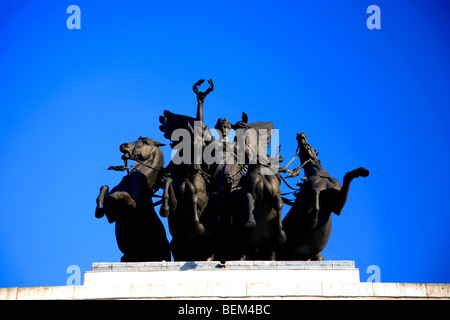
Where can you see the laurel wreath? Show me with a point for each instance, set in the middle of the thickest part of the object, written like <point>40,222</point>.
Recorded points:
<point>203,94</point>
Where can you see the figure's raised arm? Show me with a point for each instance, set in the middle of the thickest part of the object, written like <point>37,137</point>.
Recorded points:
<point>201,97</point>
<point>170,122</point>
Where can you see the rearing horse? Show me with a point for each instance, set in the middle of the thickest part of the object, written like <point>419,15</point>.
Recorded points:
<point>262,201</point>
<point>139,232</point>
<point>308,223</point>
<point>185,197</point>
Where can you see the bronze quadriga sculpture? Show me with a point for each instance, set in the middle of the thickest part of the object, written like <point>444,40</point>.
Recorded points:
<point>222,198</point>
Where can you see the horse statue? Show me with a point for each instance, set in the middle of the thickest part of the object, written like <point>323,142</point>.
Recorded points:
<point>185,196</point>
<point>139,232</point>
<point>261,195</point>
<point>184,203</point>
<point>308,223</point>
<point>202,196</point>
<point>221,196</point>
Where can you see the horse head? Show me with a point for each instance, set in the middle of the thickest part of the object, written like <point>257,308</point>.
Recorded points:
<point>141,150</point>
<point>304,149</point>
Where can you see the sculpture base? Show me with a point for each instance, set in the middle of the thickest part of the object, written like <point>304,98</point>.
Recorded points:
<point>233,280</point>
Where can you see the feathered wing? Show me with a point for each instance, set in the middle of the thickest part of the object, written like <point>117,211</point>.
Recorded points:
<point>263,131</point>
<point>172,121</point>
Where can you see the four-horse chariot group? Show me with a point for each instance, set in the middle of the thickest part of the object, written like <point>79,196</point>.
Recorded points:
<point>222,198</point>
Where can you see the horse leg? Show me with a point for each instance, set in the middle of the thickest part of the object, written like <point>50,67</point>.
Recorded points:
<point>199,228</point>
<point>250,202</point>
<point>99,210</point>
<point>169,201</point>
<point>343,194</point>
<point>210,252</point>
<point>278,205</point>
<point>273,255</point>
<point>194,199</point>
<point>255,191</point>
<point>317,257</point>
<point>119,205</point>
<point>315,208</point>
<point>199,189</point>
<point>124,198</point>
<point>202,201</point>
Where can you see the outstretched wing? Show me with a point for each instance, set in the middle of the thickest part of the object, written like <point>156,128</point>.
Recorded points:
<point>256,149</point>
<point>172,121</point>
<point>263,130</point>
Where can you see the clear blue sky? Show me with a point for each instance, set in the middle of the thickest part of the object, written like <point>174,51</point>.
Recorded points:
<point>373,98</point>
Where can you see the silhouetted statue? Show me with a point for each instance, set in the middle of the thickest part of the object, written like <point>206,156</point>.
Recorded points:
<point>139,232</point>
<point>223,209</point>
<point>261,195</point>
<point>222,197</point>
<point>308,223</point>
<point>185,196</point>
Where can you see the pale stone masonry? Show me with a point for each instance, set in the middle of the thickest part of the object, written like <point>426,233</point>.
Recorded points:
<point>229,265</point>
<point>232,280</point>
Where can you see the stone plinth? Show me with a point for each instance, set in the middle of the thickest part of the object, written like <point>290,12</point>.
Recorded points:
<point>232,280</point>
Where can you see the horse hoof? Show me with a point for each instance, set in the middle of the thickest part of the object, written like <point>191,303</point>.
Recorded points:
<point>250,224</point>
<point>199,229</point>
<point>282,237</point>
<point>164,211</point>
<point>360,172</point>
<point>99,213</point>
